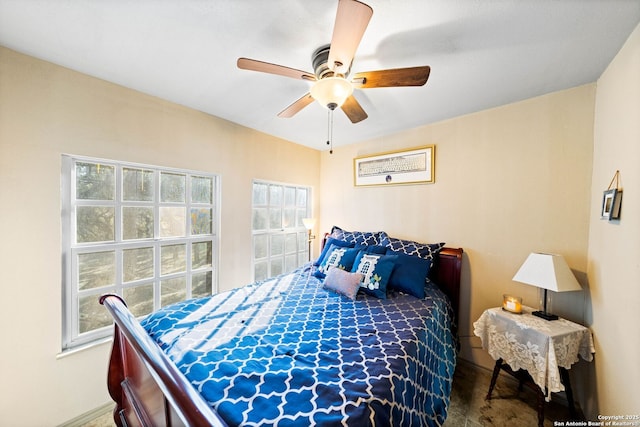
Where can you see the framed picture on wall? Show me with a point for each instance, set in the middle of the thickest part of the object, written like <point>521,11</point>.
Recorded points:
<point>611,204</point>
<point>410,166</point>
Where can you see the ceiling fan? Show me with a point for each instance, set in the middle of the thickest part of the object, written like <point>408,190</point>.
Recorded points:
<point>332,66</point>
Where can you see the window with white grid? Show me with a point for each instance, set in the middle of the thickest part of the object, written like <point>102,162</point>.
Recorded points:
<point>280,240</point>
<point>144,232</point>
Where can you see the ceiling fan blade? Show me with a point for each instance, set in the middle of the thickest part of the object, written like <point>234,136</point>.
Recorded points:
<point>352,19</point>
<point>280,70</point>
<point>412,76</point>
<point>298,105</point>
<point>353,110</point>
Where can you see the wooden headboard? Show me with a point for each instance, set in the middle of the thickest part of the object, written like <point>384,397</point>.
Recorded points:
<point>446,274</point>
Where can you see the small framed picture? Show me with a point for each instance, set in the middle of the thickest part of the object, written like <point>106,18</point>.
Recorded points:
<point>611,204</point>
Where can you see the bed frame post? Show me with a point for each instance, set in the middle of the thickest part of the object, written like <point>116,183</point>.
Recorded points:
<point>116,375</point>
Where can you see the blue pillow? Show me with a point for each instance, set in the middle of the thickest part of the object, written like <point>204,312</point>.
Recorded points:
<point>409,247</point>
<point>327,246</point>
<point>339,257</point>
<point>376,270</point>
<point>373,249</point>
<point>410,274</point>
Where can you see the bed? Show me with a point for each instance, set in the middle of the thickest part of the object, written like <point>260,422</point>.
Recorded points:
<point>295,350</point>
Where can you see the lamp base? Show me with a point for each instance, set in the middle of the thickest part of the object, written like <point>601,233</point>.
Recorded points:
<point>544,315</point>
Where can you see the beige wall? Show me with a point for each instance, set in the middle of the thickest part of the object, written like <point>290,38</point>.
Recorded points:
<point>614,247</point>
<point>46,110</point>
<point>509,181</point>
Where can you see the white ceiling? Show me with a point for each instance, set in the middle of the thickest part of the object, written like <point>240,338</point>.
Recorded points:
<point>482,53</point>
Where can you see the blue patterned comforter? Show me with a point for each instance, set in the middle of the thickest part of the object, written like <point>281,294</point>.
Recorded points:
<point>286,352</point>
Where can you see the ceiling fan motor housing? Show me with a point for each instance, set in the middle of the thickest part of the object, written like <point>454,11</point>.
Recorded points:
<point>320,62</point>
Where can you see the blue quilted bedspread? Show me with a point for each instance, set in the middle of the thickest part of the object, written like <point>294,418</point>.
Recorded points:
<point>286,352</point>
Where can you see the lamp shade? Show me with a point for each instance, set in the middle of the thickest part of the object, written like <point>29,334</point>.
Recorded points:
<point>331,92</point>
<point>308,223</point>
<point>547,271</point>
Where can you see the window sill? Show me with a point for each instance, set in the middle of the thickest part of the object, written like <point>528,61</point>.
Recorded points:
<point>84,347</point>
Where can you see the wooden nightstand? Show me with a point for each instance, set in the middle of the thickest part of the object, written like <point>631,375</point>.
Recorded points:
<point>537,352</point>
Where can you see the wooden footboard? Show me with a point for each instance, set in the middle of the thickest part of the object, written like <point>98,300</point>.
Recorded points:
<point>147,387</point>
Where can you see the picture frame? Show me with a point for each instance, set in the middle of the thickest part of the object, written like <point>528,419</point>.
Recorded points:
<point>611,204</point>
<point>409,166</point>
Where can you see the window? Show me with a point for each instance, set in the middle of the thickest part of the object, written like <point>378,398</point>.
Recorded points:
<point>143,232</point>
<point>279,238</point>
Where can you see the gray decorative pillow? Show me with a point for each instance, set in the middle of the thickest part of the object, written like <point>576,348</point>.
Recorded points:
<point>343,282</point>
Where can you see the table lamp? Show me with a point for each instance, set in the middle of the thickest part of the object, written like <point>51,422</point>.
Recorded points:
<point>549,272</point>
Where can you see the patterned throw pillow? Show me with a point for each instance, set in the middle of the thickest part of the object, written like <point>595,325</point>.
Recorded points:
<point>343,282</point>
<point>376,270</point>
<point>360,238</point>
<point>337,256</point>
<point>409,247</point>
<point>327,246</point>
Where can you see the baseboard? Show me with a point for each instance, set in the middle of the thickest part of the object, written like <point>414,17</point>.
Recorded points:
<point>89,416</point>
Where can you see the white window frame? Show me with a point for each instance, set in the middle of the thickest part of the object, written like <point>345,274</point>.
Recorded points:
<point>72,338</point>
<point>302,243</point>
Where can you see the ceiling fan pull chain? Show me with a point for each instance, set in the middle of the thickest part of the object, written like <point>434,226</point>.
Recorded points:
<point>330,130</point>
<point>331,116</point>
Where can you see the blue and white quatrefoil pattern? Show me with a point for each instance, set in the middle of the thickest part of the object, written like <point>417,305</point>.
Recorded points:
<point>287,352</point>
<point>408,247</point>
<point>360,238</point>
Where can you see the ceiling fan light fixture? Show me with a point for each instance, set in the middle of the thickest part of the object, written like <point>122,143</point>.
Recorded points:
<point>331,91</point>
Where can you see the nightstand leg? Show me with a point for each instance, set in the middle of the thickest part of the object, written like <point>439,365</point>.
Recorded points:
<point>494,378</point>
<point>540,407</point>
<point>564,377</point>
